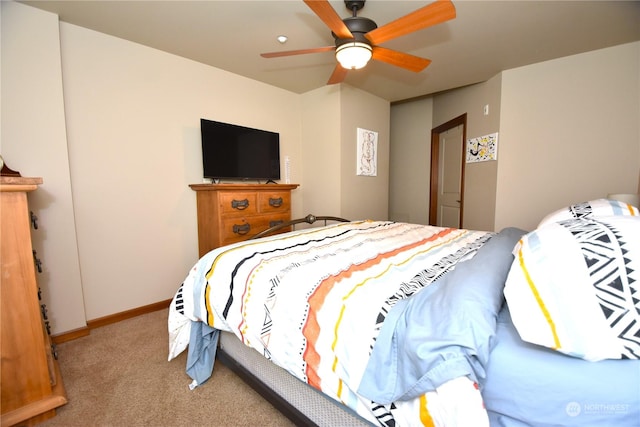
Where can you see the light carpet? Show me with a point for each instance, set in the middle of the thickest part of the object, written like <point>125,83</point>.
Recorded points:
<point>119,376</point>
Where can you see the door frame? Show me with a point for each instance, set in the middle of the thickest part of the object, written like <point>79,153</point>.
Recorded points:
<point>435,165</point>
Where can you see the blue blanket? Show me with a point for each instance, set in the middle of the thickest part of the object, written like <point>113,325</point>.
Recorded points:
<point>444,331</point>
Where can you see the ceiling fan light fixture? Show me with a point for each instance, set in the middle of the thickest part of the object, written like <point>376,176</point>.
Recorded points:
<point>353,55</point>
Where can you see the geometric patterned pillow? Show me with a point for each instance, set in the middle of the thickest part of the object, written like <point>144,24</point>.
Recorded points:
<point>574,286</point>
<point>593,208</point>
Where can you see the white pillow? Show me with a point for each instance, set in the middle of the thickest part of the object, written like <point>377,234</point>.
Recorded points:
<point>574,286</point>
<point>593,208</point>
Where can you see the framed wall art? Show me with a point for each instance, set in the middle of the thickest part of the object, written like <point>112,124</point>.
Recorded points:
<point>483,148</point>
<point>367,153</point>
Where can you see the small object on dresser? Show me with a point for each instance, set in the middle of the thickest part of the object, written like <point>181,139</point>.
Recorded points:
<point>5,170</point>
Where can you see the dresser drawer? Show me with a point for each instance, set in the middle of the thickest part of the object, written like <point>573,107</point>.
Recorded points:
<point>229,213</point>
<point>235,229</point>
<point>274,201</point>
<point>238,203</point>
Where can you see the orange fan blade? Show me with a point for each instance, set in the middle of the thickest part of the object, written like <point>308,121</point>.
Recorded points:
<point>330,17</point>
<point>297,52</point>
<point>338,75</point>
<point>400,59</point>
<point>432,14</point>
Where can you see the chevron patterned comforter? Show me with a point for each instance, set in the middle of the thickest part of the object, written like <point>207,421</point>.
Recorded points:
<point>316,303</point>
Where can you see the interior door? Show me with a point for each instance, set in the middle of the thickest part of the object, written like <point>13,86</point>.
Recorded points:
<point>446,194</point>
<point>450,179</point>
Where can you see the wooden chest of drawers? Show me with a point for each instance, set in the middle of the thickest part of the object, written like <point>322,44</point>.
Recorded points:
<point>30,382</point>
<point>229,213</point>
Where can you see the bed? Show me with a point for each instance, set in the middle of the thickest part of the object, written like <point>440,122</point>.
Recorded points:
<point>397,324</point>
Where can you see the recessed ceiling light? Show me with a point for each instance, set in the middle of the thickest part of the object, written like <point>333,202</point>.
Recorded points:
<point>282,39</point>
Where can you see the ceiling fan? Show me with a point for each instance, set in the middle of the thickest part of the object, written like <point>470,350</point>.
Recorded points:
<point>357,39</point>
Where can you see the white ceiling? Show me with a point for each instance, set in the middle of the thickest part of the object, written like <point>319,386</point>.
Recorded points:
<point>485,38</point>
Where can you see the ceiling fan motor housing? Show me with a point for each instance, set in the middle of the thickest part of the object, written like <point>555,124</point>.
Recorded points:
<point>359,26</point>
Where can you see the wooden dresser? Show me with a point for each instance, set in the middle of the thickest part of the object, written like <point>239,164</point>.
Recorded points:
<point>30,382</point>
<point>229,213</point>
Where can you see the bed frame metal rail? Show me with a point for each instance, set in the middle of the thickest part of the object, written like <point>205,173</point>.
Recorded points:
<point>309,219</point>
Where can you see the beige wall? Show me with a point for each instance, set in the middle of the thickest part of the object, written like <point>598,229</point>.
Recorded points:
<point>321,142</point>
<point>480,178</point>
<point>114,129</point>
<point>132,146</point>
<point>411,144</point>
<point>33,142</point>
<point>133,126</point>
<point>363,197</point>
<point>329,153</point>
<point>410,159</point>
<point>568,133</point>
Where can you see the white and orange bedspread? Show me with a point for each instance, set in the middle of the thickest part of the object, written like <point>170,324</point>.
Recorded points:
<point>314,302</point>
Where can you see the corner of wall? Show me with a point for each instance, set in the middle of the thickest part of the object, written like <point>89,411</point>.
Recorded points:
<point>32,87</point>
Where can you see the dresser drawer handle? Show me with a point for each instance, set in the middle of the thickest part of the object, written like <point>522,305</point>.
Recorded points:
<point>34,220</point>
<point>240,204</point>
<point>241,229</point>
<point>276,203</point>
<point>37,262</point>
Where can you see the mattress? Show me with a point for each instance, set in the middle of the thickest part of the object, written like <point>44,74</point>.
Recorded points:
<point>554,389</point>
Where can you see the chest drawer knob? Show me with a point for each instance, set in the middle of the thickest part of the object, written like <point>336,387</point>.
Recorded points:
<point>240,204</point>
<point>241,229</point>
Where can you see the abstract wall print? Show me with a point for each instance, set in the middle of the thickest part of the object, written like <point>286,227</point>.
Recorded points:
<point>483,148</point>
<point>367,154</point>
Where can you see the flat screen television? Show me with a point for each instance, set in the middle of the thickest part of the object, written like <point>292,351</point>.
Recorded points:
<point>239,153</point>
